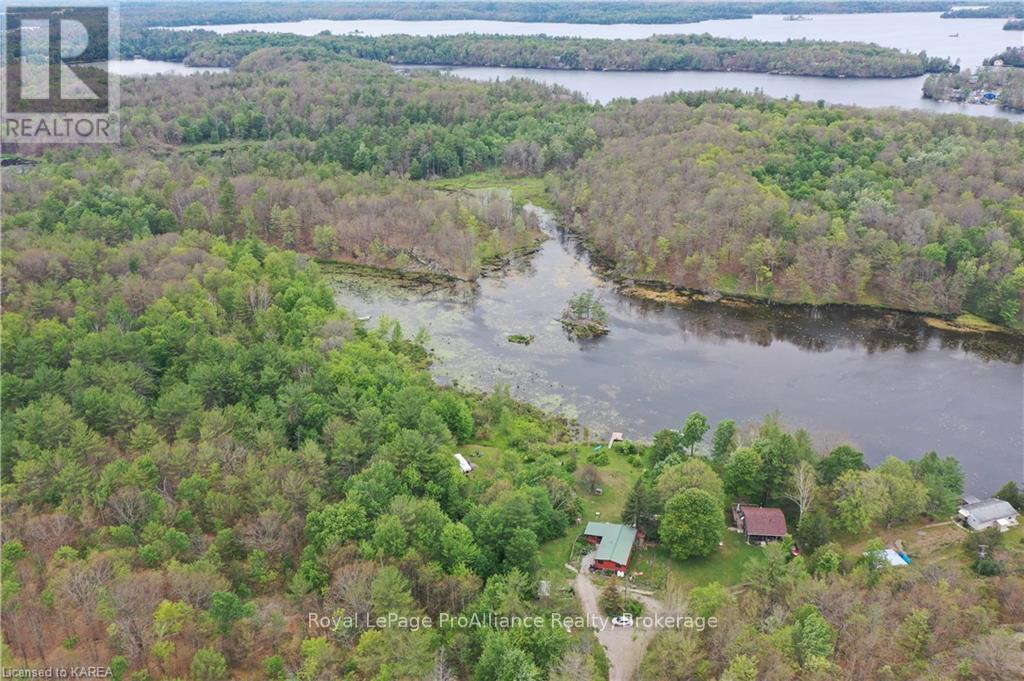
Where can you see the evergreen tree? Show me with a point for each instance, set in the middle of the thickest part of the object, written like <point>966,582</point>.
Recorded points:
<point>641,507</point>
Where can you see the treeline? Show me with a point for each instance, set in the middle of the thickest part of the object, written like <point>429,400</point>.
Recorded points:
<point>163,45</point>
<point>325,167</point>
<point>1007,83</point>
<point>1014,25</point>
<point>1011,56</point>
<point>199,450</point>
<point>998,10</point>
<point>795,202</point>
<point>363,116</point>
<point>829,495</point>
<point>190,13</point>
<point>315,208</point>
<point>661,53</point>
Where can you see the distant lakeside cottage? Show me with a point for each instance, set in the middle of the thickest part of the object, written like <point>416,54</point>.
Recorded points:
<point>614,545</point>
<point>760,524</point>
<point>981,515</point>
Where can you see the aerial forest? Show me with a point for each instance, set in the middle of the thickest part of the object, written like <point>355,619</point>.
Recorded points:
<point>661,53</point>
<point>797,202</point>
<point>207,462</point>
<point>785,201</point>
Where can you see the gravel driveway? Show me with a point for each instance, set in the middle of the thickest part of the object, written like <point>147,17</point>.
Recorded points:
<point>625,645</point>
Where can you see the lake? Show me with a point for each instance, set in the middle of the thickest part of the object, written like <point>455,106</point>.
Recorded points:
<point>975,40</point>
<point>912,31</point>
<point>604,86</point>
<point>131,68</point>
<point>886,382</point>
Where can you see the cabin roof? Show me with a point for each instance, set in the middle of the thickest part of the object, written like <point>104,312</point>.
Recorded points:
<point>616,541</point>
<point>988,510</point>
<point>763,522</point>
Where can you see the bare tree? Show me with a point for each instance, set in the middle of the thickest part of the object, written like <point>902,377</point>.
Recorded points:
<point>127,506</point>
<point>575,664</point>
<point>47,533</point>
<point>270,532</point>
<point>135,597</point>
<point>590,477</point>
<point>442,669</point>
<point>83,580</point>
<point>803,486</point>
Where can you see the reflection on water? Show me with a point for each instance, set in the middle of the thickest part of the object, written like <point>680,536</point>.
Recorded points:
<point>886,382</point>
<point>826,328</point>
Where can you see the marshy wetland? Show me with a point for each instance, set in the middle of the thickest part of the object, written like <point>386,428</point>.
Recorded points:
<point>887,381</point>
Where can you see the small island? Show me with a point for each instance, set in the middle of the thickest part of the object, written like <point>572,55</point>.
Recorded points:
<point>520,339</point>
<point>685,52</point>
<point>584,316</point>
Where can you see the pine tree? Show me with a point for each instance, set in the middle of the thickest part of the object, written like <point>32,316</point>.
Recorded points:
<point>227,202</point>
<point>640,507</point>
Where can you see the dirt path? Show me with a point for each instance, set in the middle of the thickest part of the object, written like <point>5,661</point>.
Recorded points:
<point>625,645</point>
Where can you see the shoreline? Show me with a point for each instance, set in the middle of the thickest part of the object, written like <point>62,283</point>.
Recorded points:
<point>656,290</point>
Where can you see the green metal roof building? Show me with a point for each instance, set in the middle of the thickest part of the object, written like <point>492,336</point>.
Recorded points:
<point>614,544</point>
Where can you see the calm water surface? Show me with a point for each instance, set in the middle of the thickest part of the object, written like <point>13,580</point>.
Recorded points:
<point>913,31</point>
<point>975,39</point>
<point>150,67</point>
<point>888,383</point>
<point>604,86</point>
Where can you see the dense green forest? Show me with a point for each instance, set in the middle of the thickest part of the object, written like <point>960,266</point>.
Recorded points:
<point>234,155</point>
<point>200,448</point>
<point>797,202</point>
<point>662,53</point>
<point>191,13</point>
<point>281,199</point>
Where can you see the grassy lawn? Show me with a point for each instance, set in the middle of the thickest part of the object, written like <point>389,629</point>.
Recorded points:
<point>524,189</point>
<point>1013,539</point>
<point>653,567</point>
<point>725,566</point>
<point>927,542</point>
<point>617,479</point>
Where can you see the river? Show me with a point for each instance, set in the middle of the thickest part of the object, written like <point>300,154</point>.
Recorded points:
<point>886,382</point>
<point>975,39</point>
